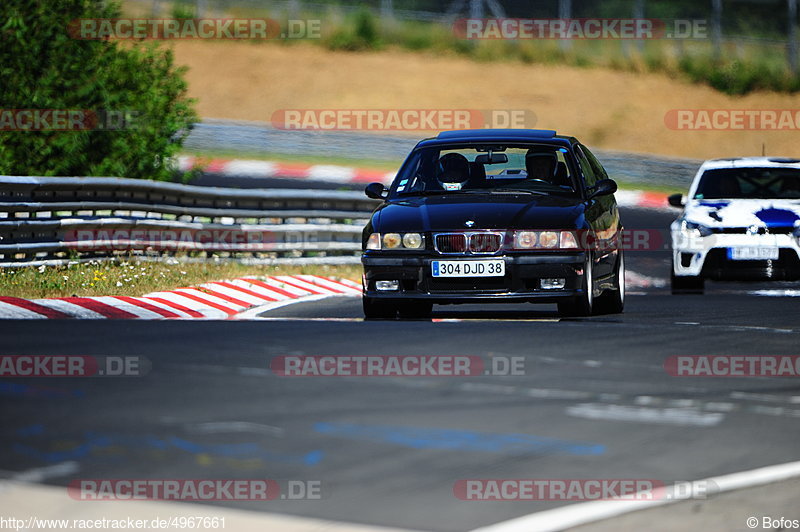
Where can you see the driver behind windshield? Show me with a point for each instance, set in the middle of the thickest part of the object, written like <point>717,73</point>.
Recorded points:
<point>541,165</point>
<point>453,171</point>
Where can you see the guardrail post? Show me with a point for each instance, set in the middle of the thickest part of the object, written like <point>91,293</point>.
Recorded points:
<point>564,13</point>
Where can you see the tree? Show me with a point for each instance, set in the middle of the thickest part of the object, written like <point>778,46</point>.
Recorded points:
<point>42,67</point>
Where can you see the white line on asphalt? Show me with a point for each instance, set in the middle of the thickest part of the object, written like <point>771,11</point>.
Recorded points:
<point>225,427</point>
<point>573,515</point>
<point>642,414</point>
<point>40,474</point>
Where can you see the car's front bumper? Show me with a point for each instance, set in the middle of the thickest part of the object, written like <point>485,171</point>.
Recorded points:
<point>708,257</point>
<point>521,283</point>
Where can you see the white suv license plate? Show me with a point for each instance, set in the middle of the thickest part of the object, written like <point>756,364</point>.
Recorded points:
<point>754,253</point>
<point>468,268</point>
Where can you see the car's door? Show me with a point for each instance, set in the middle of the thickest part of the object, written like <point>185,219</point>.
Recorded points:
<point>601,212</point>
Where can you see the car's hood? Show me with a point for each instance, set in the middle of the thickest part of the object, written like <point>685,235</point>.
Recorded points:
<point>744,212</point>
<point>486,211</point>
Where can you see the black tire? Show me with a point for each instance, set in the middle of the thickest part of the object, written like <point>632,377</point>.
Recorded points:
<point>583,304</point>
<point>613,301</point>
<point>687,285</point>
<point>378,310</point>
<point>415,310</point>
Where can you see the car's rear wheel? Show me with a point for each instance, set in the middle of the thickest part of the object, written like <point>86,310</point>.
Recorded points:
<point>613,301</point>
<point>582,304</point>
<point>687,284</point>
<point>378,310</point>
<point>415,310</point>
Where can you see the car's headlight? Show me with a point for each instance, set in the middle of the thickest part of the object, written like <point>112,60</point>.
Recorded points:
<point>695,230</point>
<point>392,241</point>
<point>374,241</point>
<point>525,239</point>
<point>412,240</point>
<point>568,240</point>
<point>548,239</point>
<point>377,241</point>
<point>545,240</point>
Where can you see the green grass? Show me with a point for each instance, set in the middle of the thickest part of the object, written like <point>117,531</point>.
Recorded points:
<point>133,278</point>
<point>650,187</point>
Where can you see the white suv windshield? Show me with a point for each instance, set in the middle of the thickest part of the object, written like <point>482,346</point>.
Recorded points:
<point>741,183</point>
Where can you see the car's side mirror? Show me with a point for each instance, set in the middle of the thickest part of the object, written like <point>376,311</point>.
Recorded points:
<point>604,187</point>
<point>376,191</point>
<point>676,200</point>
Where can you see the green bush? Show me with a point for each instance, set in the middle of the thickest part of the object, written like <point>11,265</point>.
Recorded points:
<point>43,67</point>
<point>360,32</point>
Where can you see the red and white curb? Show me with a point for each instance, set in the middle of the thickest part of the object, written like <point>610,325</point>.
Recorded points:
<point>228,299</point>
<point>641,199</point>
<point>348,175</point>
<point>260,169</point>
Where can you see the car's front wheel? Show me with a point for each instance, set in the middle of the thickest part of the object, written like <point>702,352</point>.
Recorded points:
<point>613,301</point>
<point>378,310</point>
<point>583,303</point>
<point>687,284</point>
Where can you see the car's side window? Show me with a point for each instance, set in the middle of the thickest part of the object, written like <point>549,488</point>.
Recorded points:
<point>586,168</point>
<point>598,169</point>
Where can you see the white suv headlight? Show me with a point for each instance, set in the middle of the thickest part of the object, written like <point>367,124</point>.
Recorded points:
<point>693,229</point>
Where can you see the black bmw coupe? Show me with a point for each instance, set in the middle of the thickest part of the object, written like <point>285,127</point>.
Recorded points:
<point>494,216</point>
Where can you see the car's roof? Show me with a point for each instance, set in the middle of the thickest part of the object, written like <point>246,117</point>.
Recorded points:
<point>496,135</point>
<point>751,162</point>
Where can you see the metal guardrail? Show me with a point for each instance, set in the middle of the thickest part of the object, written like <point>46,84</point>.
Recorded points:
<point>57,219</point>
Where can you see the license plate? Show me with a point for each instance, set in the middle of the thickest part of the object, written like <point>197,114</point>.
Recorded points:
<point>753,253</point>
<point>468,268</point>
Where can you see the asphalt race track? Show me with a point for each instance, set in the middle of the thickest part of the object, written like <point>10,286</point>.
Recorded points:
<point>595,400</point>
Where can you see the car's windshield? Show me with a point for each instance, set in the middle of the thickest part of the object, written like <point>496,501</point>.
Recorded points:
<point>759,183</point>
<point>488,168</point>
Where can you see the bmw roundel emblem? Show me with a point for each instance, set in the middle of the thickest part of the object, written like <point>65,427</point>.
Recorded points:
<point>469,223</point>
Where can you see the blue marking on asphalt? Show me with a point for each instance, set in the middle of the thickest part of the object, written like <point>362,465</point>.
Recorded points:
<point>30,430</point>
<point>17,389</point>
<point>94,441</point>
<point>458,440</point>
<point>777,217</point>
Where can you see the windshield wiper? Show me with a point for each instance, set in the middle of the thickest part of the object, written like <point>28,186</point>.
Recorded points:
<point>427,192</point>
<point>518,190</point>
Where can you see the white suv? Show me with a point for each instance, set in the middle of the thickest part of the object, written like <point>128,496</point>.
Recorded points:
<point>741,222</point>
